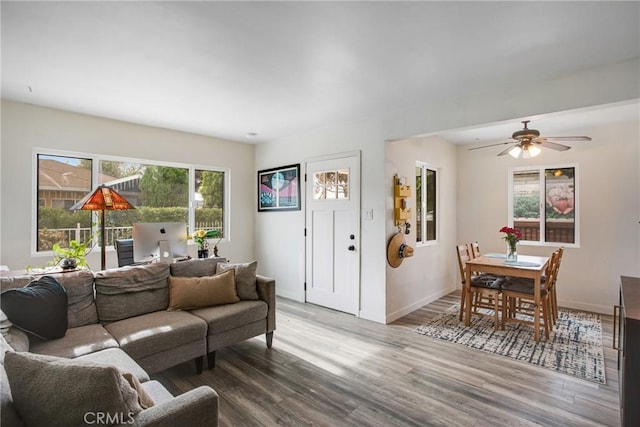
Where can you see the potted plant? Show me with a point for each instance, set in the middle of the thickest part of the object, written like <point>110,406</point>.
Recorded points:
<point>72,257</point>
<point>200,237</point>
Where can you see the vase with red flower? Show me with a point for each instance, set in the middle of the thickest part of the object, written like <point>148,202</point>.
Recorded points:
<point>512,237</point>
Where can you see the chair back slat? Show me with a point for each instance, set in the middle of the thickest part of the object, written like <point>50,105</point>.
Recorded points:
<point>474,249</point>
<point>463,256</point>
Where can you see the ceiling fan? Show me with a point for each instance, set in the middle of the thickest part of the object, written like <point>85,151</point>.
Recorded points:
<point>528,143</point>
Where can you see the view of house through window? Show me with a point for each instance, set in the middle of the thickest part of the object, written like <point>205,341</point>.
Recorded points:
<point>426,199</point>
<point>160,194</point>
<point>62,181</point>
<point>544,204</point>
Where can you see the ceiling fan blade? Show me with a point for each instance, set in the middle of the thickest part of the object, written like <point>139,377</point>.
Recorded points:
<point>491,145</point>
<point>568,138</point>
<point>506,150</point>
<point>553,145</point>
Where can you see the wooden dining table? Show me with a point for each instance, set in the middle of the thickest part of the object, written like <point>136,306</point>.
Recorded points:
<point>532,267</point>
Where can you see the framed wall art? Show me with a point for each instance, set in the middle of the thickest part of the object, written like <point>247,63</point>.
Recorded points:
<point>279,189</point>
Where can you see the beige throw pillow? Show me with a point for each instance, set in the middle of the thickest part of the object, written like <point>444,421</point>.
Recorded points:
<point>188,293</point>
<point>55,391</point>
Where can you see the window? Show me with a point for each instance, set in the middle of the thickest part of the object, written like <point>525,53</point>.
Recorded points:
<point>160,193</point>
<point>208,200</point>
<point>426,203</point>
<point>61,181</point>
<point>544,204</point>
<point>331,185</point>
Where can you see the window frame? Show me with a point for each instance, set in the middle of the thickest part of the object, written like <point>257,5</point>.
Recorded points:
<point>424,166</point>
<point>542,232</point>
<point>95,166</point>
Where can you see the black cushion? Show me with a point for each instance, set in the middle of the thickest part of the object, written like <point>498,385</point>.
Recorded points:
<point>490,281</point>
<point>39,308</point>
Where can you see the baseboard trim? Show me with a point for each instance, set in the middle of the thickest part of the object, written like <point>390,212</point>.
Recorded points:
<point>292,295</point>
<point>416,305</point>
<point>594,308</point>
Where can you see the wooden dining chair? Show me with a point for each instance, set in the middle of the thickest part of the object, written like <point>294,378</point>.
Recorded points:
<point>554,294</point>
<point>485,289</point>
<point>475,249</point>
<point>518,297</point>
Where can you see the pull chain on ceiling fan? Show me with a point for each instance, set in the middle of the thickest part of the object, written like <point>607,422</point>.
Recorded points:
<point>528,143</point>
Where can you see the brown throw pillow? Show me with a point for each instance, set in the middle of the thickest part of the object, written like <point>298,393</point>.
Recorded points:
<point>245,278</point>
<point>188,293</point>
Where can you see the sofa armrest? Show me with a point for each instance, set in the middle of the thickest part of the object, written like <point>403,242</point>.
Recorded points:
<point>195,408</point>
<point>267,293</point>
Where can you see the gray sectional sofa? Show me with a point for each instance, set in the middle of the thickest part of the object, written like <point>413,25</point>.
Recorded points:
<point>119,317</point>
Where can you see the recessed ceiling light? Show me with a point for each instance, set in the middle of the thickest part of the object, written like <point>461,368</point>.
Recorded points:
<point>251,134</point>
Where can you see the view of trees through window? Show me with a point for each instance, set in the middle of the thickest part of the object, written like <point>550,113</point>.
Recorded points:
<point>159,193</point>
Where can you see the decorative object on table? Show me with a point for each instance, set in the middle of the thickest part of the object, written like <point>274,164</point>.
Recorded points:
<point>70,258</point>
<point>279,189</point>
<point>398,250</point>
<point>528,143</point>
<point>102,199</point>
<point>201,236</point>
<point>575,347</point>
<point>512,237</point>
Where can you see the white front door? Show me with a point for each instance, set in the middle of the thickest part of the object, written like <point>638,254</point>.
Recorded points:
<point>333,233</point>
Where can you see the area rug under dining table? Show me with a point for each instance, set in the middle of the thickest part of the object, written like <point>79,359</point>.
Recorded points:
<point>574,346</point>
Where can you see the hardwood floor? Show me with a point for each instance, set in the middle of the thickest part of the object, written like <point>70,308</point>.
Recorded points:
<point>332,369</point>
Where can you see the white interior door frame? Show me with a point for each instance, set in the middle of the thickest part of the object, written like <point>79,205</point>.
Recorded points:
<point>345,263</point>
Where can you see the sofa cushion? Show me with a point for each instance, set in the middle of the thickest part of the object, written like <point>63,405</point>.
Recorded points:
<point>39,308</point>
<point>196,267</point>
<point>17,339</point>
<point>230,316</point>
<point>130,291</point>
<point>153,333</point>
<point>77,341</point>
<point>8,414</point>
<point>186,293</point>
<point>13,282</point>
<point>245,278</point>
<point>4,347</point>
<point>158,393</point>
<point>56,391</point>
<point>117,357</point>
<point>81,308</point>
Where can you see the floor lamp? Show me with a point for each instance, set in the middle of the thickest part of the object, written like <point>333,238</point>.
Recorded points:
<point>102,199</point>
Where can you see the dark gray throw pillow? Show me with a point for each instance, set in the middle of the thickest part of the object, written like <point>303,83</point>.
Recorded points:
<point>40,308</point>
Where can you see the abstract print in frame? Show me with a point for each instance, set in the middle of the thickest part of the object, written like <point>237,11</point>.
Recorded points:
<point>279,189</point>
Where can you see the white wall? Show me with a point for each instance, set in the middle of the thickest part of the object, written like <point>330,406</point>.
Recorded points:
<point>430,273</point>
<point>280,243</point>
<point>609,210</point>
<point>279,239</point>
<point>25,127</point>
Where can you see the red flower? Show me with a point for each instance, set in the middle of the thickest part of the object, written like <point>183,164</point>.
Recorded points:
<point>512,234</point>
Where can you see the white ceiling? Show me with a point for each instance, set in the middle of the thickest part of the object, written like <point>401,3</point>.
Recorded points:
<point>226,69</point>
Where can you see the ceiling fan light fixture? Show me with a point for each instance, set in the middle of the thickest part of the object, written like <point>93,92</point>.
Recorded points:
<point>515,152</point>
<point>534,151</point>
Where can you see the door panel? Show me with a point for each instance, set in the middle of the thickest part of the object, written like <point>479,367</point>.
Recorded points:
<point>333,230</point>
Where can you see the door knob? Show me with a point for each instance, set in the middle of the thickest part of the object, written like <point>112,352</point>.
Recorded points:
<point>352,237</point>
<point>352,248</point>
